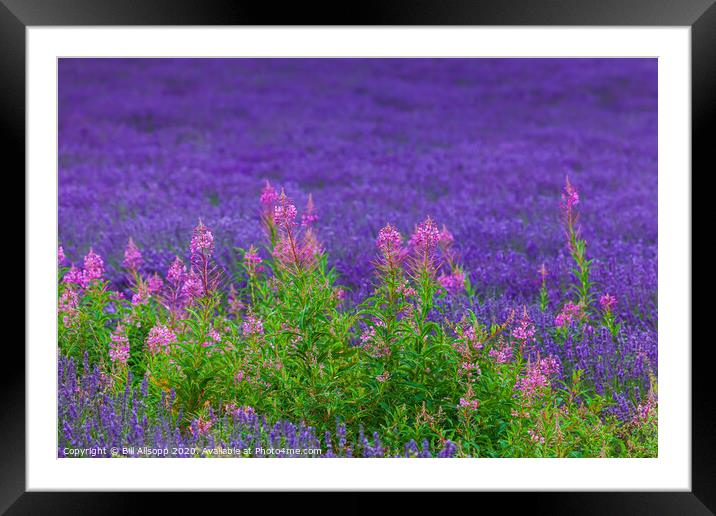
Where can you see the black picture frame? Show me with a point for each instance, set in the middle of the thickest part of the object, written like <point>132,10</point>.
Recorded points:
<point>17,15</point>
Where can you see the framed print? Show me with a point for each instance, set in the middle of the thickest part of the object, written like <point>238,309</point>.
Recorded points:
<point>437,249</point>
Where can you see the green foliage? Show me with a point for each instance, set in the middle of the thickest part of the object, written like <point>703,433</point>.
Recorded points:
<point>392,364</point>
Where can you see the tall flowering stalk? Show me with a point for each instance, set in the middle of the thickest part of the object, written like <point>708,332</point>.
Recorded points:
<point>524,332</point>
<point>543,294</point>
<point>295,247</point>
<point>93,268</point>
<point>309,217</point>
<point>119,352</point>
<point>424,262</point>
<point>377,336</point>
<point>608,303</point>
<point>202,248</point>
<point>268,201</point>
<point>160,340</point>
<point>468,345</point>
<point>425,240</point>
<point>455,280</point>
<point>577,246</point>
<point>173,296</point>
<point>390,245</point>
<point>132,257</point>
<point>143,287</point>
<point>252,261</point>
<point>67,306</point>
<point>61,258</point>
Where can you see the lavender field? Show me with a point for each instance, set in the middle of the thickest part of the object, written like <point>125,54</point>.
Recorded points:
<point>450,257</point>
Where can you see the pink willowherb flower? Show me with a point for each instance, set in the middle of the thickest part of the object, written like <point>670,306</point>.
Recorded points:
<point>532,382</point>
<point>501,355</point>
<point>467,341</point>
<point>202,243</point>
<point>470,404</point>
<point>193,286</point>
<point>309,217</point>
<point>141,296</point>
<point>214,338</point>
<point>445,238</point>
<point>426,237</point>
<point>251,257</point>
<point>67,306</point>
<point>94,267</point>
<point>154,283</point>
<point>268,199</point>
<point>310,248</point>
<point>201,426</point>
<point>570,196</point>
<point>535,437</point>
<point>119,347</point>
<point>367,335</point>
<point>160,339</point>
<point>570,312</point>
<point>373,345</point>
<point>235,303</point>
<point>536,376</point>
<point>389,241</point>
<point>61,258</point>
<point>252,325</point>
<point>407,291</point>
<point>132,256</point>
<point>74,276</point>
<point>176,272</point>
<point>454,282</point>
<point>468,401</point>
<point>383,377</point>
<point>115,295</point>
<point>608,302</point>
<point>550,365</point>
<point>284,251</point>
<point>525,330</point>
<point>284,213</point>
<point>470,370</point>
<point>643,410</point>
<point>543,273</point>
<point>252,260</point>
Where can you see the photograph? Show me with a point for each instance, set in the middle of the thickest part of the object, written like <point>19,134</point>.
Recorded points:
<point>357,258</point>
